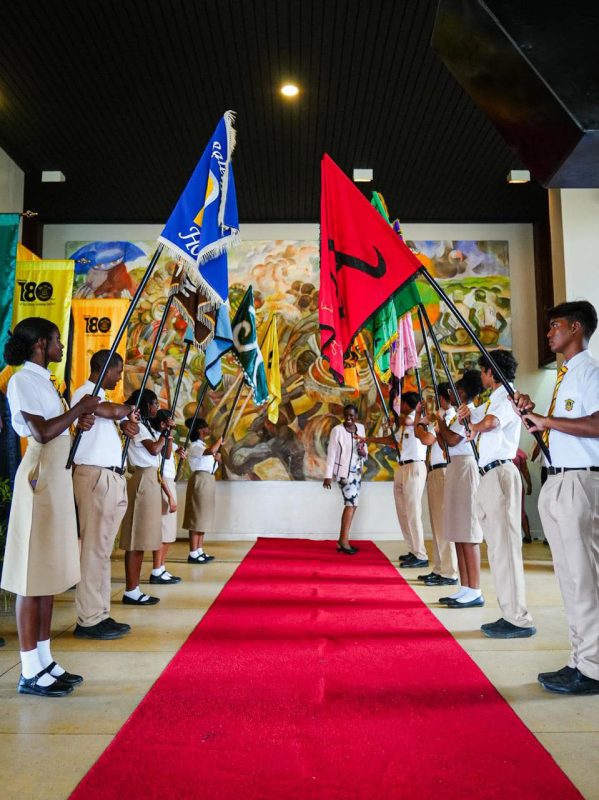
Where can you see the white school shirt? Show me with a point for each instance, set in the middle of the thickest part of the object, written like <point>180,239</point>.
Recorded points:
<point>437,453</point>
<point>31,390</point>
<point>577,396</point>
<point>198,462</point>
<point>502,442</point>
<point>170,468</point>
<point>410,446</point>
<point>464,448</point>
<point>138,455</point>
<point>100,446</point>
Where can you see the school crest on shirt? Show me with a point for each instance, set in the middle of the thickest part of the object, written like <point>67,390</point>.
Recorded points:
<point>569,404</point>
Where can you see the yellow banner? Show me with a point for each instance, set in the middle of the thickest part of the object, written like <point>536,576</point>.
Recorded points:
<point>24,254</point>
<point>44,289</point>
<point>95,325</point>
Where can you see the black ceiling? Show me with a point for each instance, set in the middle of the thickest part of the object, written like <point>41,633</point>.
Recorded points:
<point>121,96</point>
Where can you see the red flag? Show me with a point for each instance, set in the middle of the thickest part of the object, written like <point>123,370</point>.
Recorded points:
<point>362,263</point>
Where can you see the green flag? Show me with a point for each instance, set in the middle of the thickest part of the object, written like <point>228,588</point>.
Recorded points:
<point>383,326</point>
<point>9,236</point>
<point>246,350</point>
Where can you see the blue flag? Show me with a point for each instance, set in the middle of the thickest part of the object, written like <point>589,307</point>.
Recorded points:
<point>220,344</point>
<point>205,223</point>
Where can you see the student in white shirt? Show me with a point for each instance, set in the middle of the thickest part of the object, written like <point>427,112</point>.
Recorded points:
<point>42,554</point>
<point>498,498</point>
<point>569,499</point>
<point>200,498</point>
<point>141,529</point>
<point>101,498</point>
<point>160,574</point>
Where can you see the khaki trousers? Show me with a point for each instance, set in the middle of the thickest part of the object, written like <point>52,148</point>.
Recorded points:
<point>408,487</point>
<point>569,509</point>
<point>445,560</point>
<point>499,508</point>
<point>101,497</point>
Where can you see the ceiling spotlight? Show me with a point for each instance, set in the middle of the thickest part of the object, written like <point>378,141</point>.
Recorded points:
<point>289,90</point>
<point>363,175</point>
<point>518,176</point>
<point>52,176</point>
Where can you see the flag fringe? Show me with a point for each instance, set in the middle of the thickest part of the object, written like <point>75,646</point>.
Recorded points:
<point>247,380</point>
<point>229,117</point>
<point>208,322</point>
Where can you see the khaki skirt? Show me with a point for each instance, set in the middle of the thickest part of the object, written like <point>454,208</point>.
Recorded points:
<point>141,528</point>
<point>42,552</point>
<point>200,502</point>
<point>460,520</point>
<point>169,518</point>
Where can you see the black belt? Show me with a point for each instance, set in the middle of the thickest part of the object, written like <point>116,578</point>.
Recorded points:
<point>118,470</point>
<point>559,470</point>
<point>408,461</point>
<point>492,465</point>
<point>431,467</point>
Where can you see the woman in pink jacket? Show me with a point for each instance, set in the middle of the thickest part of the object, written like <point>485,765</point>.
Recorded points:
<point>345,458</point>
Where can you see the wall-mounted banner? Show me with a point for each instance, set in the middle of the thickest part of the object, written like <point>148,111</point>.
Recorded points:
<point>95,324</point>
<point>44,289</point>
<point>9,233</point>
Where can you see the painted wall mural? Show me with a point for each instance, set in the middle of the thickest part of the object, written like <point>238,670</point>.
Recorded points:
<point>284,275</point>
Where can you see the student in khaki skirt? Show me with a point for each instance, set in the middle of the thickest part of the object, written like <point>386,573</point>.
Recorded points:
<point>460,518</point>
<point>141,529</point>
<point>160,574</point>
<point>42,554</point>
<point>200,497</point>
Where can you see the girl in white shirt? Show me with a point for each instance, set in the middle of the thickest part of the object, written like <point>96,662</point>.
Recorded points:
<point>42,554</point>
<point>200,500</point>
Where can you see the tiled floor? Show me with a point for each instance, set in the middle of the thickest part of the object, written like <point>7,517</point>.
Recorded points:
<point>52,743</point>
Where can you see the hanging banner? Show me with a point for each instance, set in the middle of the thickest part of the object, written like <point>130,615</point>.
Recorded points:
<point>44,289</point>
<point>95,325</point>
<point>9,232</point>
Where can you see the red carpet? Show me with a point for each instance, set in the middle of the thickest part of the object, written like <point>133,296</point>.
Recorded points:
<point>318,676</point>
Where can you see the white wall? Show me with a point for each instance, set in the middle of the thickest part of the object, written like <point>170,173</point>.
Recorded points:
<point>12,185</point>
<point>250,508</point>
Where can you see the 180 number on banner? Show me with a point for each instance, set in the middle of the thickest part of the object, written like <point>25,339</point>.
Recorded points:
<point>97,324</point>
<point>32,291</point>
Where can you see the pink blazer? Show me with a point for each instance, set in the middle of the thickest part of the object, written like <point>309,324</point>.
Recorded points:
<point>340,450</point>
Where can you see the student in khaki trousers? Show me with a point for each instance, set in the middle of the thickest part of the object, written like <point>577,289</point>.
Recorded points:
<point>497,433</point>
<point>568,502</point>
<point>101,498</point>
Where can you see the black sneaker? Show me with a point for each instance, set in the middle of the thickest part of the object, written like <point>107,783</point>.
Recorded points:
<point>548,676</point>
<point>502,629</point>
<point>573,682</point>
<point>414,562</point>
<point>439,580</point>
<point>429,576</point>
<point>102,630</point>
<point>407,557</point>
<point>118,626</point>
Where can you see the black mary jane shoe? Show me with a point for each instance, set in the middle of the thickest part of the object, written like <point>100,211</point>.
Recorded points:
<point>31,686</point>
<point>67,678</point>
<point>347,551</point>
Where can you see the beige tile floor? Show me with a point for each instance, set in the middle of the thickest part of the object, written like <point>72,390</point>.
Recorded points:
<point>53,743</point>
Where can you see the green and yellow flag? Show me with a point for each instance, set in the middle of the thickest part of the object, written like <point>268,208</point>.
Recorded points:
<point>270,353</point>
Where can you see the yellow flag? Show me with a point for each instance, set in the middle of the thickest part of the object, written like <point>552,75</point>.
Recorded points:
<point>44,289</point>
<point>270,354</point>
<point>95,324</point>
<point>24,254</point>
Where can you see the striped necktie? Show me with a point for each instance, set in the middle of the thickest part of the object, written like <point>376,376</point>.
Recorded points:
<point>486,408</point>
<point>560,377</point>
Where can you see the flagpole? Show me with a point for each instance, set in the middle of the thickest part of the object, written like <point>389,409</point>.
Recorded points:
<point>146,375</point>
<point>120,333</point>
<point>431,367</point>
<point>379,392</point>
<point>450,304</point>
<point>196,413</point>
<point>173,407</point>
<point>433,335</point>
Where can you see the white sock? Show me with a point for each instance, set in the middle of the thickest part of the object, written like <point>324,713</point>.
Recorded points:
<point>31,666</point>
<point>134,594</point>
<point>460,593</point>
<point>194,553</point>
<point>45,656</point>
<point>158,571</point>
<point>472,594</point>
<point>199,551</point>
<point>167,574</point>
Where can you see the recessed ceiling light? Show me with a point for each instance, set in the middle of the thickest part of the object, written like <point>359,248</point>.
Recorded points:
<point>289,90</point>
<point>363,175</point>
<point>52,176</point>
<point>518,176</point>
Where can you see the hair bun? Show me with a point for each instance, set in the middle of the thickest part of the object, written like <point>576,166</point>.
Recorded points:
<point>16,350</point>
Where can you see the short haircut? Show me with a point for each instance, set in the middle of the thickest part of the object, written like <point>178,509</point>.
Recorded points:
<point>577,311</point>
<point>97,361</point>
<point>505,361</point>
<point>471,383</point>
<point>411,398</point>
<point>444,390</point>
<point>350,407</point>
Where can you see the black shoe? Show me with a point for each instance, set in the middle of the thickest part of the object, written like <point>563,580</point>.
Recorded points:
<point>478,601</point>
<point>30,686</point>
<point>429,576</point>
<point>548,676</point>
<point>502,629</point>
<point>416,562</point>
<point>407,557</point>
<point>143,600</point>
<point>101,630</point>
<point>441,581</point>
<point>67,678</point>
<point>571,683</point>
<point>2,642</point>
<point>347,551</point>
<point>445,600</point>
<point>203,558</point>
<point>118,626</point>
<point>164,579</point>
